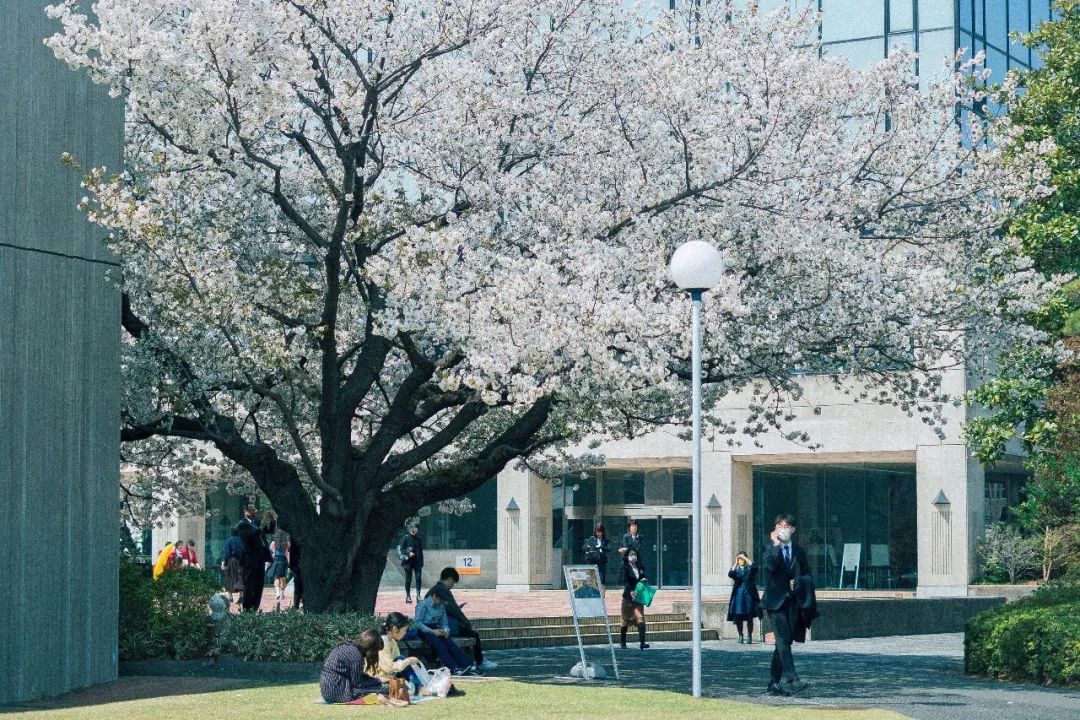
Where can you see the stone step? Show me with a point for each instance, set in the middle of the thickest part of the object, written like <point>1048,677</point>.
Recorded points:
<point>595,639</point>
<point>490,635</point>
<point>562,621</point>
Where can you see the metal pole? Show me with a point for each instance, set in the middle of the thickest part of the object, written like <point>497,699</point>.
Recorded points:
<point>695,296</point>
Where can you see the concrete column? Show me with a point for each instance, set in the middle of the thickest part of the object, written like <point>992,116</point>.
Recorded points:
<point>946,530</point>
<point>524,531</point>
<point>726,490</point>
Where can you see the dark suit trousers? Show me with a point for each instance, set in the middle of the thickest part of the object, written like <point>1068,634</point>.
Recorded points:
<point>253,586</point>
<point>783,622</point>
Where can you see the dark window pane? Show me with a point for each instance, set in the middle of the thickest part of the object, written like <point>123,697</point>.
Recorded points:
<point>581,490</point>
<point>471,530</point>
<point>624,487</point>
<point>682,482</point>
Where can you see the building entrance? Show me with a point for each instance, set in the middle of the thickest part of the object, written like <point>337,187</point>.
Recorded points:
<point>666,552</point>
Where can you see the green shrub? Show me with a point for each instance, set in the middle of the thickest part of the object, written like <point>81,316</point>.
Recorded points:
<point>1035,639</point>
<point>290,636</point>
<point>167,617</point>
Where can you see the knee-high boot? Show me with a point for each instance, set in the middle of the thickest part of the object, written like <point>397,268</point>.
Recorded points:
<point>641,634</point>
<point>622,637</point>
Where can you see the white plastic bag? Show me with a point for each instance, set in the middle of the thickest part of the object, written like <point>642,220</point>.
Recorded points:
<point>439,682</point>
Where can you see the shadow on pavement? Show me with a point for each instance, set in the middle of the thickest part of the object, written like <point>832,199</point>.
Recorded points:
<point>132,688</point>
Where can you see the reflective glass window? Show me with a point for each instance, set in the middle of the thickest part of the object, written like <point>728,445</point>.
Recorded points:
<point>966,17</point>
<point>1040,11</point>
<point>860,54</point>
<point>939,13</point>
<point>581,490</point>
<point>901,15</point>
<point>623,487</point>
<point>997,28</point>
<point>935,55</point>
<point>682,486</point>
<point>851,19</point>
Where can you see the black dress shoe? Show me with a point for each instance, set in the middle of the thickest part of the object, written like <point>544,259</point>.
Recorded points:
<point>793,686</point>
<point>776,689</point>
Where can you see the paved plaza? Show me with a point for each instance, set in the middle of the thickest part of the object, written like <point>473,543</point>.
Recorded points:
<point>920,676</point>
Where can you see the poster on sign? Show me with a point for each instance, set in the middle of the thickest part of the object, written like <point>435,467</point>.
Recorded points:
<point>852,558</point>
<point>587,601</point>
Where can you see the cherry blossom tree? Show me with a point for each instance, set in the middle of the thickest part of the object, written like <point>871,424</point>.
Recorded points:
<point>375,251</point>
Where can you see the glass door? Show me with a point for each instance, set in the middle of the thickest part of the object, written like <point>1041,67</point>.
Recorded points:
<point>674,552</point>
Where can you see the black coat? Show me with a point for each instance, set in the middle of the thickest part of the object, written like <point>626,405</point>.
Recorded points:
<point>629,580</point>
<point>806,601</point>
<point>748,578</point>
<point>778,576</point>
<point>632,543</point>
<point>255,551</point>
<point>411,544</point>
<point>594,553</point>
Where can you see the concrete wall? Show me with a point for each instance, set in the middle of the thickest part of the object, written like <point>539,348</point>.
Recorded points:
<point>59,374</point>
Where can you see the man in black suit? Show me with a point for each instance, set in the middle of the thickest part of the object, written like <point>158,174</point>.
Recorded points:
<point>255,555</point>
<point>784,561</point>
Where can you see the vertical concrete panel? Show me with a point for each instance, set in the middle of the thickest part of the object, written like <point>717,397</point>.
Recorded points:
<point>944,557</point>
<point>59,373</point>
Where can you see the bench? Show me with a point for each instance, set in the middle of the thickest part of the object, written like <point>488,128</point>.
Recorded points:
<point>420,649</point>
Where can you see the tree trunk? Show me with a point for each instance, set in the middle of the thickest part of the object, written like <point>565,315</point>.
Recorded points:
<point>332,584</point>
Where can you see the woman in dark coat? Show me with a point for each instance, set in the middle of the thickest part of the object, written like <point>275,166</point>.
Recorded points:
<point>745,603</point>
<point>596,551</point>
<point>632,610</point>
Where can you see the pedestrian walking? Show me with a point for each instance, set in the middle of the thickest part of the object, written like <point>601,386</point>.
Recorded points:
<point>230,564</point>
<point>255,554</point>
<point>784,562</point>
<point>596,549</point>
<point>411,554</point>
<point>631,540</point>
<point>745,604</point>
<point>632,609</point>
<point>279,570</point>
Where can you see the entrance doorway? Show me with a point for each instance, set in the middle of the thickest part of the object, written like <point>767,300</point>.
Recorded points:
<point>666,552</point>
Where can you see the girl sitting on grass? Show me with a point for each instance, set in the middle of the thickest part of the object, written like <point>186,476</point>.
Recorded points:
<point>348,675</point>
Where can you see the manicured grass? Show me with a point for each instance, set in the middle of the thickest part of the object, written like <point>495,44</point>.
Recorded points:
<point>165,698</point>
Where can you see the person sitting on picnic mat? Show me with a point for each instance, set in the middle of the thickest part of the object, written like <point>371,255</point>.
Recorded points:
<point>391,661</point>
<point>348,673</point>
<point>633,610</point>
<point>432,625</point>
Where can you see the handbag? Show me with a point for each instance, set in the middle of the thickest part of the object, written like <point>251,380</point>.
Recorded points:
<point>399,689</point>
<point>644,593</point>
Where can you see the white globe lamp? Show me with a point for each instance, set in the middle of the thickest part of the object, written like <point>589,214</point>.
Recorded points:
<point>696,265</point>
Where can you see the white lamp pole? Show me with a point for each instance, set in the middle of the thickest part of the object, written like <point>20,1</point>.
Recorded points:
<point>696,267</point>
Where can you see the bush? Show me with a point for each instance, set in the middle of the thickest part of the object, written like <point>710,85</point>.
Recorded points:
<point>1035,639</point>
<point>168,617</point>
<point>290,636</point>
<point>1008,555</point>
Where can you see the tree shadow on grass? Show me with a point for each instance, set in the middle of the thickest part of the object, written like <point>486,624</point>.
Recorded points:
<point>126,689</point>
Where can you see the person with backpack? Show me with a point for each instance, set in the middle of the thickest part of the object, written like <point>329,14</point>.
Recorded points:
<point>596,549</point>
<point>411,554</point>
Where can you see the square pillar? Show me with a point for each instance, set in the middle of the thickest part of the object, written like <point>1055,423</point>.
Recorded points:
<point>949,517</point>
<point>727,512</point>
<point>524,532</point>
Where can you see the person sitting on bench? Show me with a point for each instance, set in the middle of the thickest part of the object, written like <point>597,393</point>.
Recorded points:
<point>459,624</point>
<point>432,626</point>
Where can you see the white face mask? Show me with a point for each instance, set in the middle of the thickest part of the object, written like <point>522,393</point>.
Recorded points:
<point>785,534</point>
<point>632,558</point>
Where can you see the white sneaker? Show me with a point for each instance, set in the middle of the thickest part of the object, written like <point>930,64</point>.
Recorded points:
<point>488,665</point>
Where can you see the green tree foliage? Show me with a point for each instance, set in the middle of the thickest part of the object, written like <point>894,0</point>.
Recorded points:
<point>1034,394</point>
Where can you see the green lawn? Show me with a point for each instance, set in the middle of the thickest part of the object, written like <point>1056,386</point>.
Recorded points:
<point>139,698</point>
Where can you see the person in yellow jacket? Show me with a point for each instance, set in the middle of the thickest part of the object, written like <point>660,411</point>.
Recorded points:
<point>163,560</point>
<point>391,662</point>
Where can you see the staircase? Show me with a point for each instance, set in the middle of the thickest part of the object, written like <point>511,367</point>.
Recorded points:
<point>535,632</point>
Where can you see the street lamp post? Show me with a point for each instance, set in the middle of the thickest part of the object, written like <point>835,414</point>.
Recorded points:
<point>696,266</point>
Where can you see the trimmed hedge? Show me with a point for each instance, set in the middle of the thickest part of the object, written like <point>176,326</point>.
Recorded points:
<point>289,636</point>
<point>165,618</point>
<point>1036,639</point>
